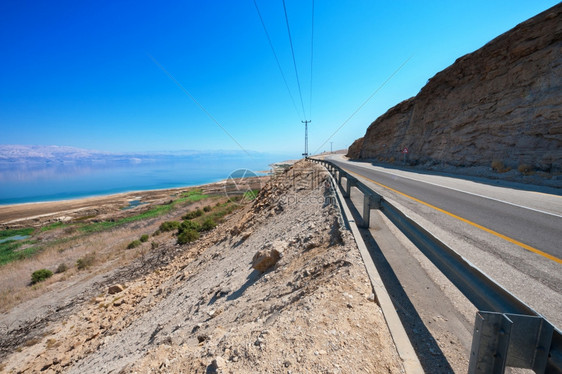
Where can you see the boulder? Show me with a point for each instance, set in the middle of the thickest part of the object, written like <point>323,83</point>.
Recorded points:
<point>116,288</point>
<point>268,256</point>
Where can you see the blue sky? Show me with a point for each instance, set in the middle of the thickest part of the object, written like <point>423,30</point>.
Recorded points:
<point>80,73</point>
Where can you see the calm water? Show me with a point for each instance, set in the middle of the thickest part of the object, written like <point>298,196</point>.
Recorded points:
<point>23,183</point>
<point>15,237</point>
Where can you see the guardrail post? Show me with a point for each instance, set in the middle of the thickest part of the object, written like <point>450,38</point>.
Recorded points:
<point>489,344</point>
<point>349,183</point>
<point>366,221</point>
<point>515,340</point>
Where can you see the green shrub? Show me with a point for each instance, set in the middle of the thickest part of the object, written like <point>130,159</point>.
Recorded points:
<point>134,244</point>
<point>188,236</point>
<point>61,268</point>
<point>169,225</point>
<point>86,261</point>
<point>207,209</point>
<point>154,245</point>
<point>144,238</point>
<point>208,224</point>
<point>189,225</point>
<point>40,275</point>
<point>193,214</point>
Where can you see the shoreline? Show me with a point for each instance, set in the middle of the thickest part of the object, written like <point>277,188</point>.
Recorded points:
<point>102,195</point>
<point>38,213</point>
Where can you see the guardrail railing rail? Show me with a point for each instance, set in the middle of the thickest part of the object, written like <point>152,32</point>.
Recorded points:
<point>507,332</point>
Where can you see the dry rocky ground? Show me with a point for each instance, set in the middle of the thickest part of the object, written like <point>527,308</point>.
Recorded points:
<point>201,307</point>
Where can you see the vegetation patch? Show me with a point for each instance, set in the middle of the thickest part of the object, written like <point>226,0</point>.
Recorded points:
<point>499,166</point>
<point>144,238</point>
<point>251,195</point>
<point>86,261</point>
<point>134,244</point>
<point>218,214</point>
<point>169,226</point>
<point>188,236</point>
<point>53,226</point>
<point>189,225</point>
<point>61,268</point>
<point>193,195</point>
<point>159,210</point>
<point>193,214</point>
<point>525,169</point>
<point>13,232</point>
<point>10,250</point>
<point>40,275</point>
<point>208,224</point>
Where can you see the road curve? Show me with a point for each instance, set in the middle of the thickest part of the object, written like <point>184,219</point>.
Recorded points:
<point>513,235</point>
<point>534,228</point>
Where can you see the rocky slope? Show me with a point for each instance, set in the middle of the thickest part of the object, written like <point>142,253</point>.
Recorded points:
<point>500,103</point>
<point>207,310</point>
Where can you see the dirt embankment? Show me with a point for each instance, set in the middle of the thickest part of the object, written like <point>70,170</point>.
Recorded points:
<point>500,104</point>
<point>206,310</point>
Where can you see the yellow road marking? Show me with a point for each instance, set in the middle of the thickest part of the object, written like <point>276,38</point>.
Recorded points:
<point>513,241</point>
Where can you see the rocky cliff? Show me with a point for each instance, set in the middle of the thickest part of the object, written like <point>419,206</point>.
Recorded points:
<point>501,104</point>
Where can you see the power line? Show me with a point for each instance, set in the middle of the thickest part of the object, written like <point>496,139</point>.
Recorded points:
<point>311,58</point>
<point>364,102</point>
<point>293,53</point>
<point>197,102</point>
<point>277,59</point>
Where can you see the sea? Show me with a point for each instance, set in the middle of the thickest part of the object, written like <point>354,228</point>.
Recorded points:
<point>53,181</point>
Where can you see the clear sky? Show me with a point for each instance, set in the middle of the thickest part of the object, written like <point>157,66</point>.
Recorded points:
<point>82,73</point>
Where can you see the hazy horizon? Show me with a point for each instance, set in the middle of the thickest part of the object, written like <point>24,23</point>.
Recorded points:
<point>53,179</point>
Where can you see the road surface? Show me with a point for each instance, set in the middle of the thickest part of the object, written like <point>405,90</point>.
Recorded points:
<point>514,236</point>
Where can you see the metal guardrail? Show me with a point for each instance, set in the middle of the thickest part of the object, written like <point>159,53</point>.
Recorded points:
<point>507,332</point>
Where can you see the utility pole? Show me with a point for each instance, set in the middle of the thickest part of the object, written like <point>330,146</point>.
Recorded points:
<point>305,154</point>
<point>331,143</point>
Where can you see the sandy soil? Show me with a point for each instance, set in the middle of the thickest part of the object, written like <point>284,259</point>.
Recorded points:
<point>202,308</point>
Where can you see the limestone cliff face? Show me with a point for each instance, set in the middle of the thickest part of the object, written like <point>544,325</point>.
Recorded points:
<point>502,102</point>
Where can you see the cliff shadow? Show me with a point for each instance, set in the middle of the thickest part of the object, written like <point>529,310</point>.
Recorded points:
<point>429,353</point>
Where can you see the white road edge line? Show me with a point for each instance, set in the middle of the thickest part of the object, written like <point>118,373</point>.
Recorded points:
<point>466,192</point>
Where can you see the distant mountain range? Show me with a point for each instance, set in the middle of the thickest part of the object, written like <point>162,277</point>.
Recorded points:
<point>15,154</point>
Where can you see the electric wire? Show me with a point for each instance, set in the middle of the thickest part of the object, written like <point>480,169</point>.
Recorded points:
<point>293,53</point>
<point>311,59</point>
<point>364,103</point>
<point>276,59</point>
<point>198,104</point>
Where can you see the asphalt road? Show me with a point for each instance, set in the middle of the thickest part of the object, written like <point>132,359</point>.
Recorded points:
<point>532,226</point>
<point>512,234</point>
